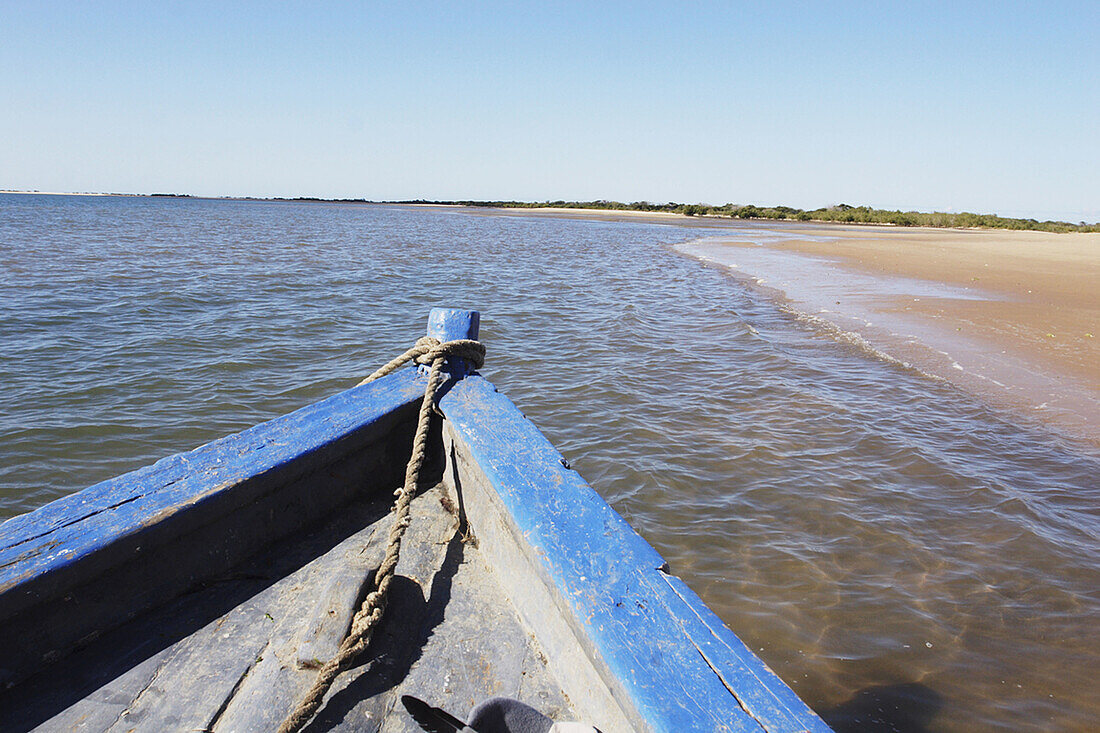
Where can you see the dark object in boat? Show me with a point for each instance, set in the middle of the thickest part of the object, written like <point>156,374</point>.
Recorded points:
<point>496,715</point>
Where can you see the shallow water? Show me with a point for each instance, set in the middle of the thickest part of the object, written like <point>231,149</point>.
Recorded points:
<point>894,549</point>
<point>872,310</point>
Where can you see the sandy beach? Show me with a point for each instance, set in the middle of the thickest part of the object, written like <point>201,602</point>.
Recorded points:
<point>651,217</point>
<point>1032,292</point>
<point>1013,316</point>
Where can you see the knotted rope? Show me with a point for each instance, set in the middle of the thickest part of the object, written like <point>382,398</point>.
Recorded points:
<point>427,351</point>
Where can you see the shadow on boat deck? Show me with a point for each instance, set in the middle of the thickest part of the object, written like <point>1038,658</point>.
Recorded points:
<point>145,640</point>
<point>409,622</point>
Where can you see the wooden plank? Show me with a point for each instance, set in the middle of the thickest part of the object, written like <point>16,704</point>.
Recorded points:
<point>479,650</point>
<point>81,565</point>
<point>365,692</point>
<point>432,641</point>
<point>178,665</point>
<point>603,576</point>
<point>64,532</point>
<point>309,630</point>
<point>757,688</point>
<point>250,654</point>
<point>95,705</point>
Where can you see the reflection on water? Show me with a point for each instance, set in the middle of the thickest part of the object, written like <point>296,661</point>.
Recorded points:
<point>902,555</point>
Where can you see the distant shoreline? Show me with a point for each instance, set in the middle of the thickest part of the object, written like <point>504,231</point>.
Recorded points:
<point>68,193</point>
<point>839,214</point>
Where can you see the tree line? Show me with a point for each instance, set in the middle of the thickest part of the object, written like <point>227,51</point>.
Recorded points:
<point>839,213</point>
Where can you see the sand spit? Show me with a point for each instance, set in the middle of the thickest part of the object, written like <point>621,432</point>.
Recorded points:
<point>650,217</point>
<point>1032,291</point>
<point>1013,316</point>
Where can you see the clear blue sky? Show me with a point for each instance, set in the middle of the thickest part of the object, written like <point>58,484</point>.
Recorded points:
<point>993,107</point>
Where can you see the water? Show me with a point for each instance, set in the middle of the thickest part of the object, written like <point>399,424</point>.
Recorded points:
<point>894,549</point>
<point>865,307</point>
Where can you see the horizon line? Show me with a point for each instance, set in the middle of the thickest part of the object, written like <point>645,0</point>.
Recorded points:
<point>503,203</point>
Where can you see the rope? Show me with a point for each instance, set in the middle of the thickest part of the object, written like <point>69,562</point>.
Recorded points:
<point>428,351</point>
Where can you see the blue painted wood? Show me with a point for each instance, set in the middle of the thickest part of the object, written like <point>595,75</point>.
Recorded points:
<point>65,531</point>
<point>91,560</point>
<point>678,665</point>
<point>451,324</point>
<point>757,688</point>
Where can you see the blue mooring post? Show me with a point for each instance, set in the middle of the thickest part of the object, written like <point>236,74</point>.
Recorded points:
<point>451,324</point>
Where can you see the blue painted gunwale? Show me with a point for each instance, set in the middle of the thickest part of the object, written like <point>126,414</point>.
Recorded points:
<point>64,532</point>
<point>679,665</point>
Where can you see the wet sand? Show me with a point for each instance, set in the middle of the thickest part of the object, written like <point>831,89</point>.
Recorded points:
<point>1036,292</point>
<point>1011,315</point>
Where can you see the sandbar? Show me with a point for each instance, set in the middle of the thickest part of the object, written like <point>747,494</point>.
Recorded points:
<point>1033,291</point>
<point>1011,315</point>
<point>648,217</point>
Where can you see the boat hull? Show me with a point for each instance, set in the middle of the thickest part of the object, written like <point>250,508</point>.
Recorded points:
<point>632,647</point>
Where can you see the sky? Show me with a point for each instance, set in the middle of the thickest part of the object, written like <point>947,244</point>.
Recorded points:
<point>956,106</point>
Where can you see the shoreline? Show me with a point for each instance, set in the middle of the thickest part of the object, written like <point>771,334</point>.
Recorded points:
<point>909,220</point>
<point>68,193</point>
<point>1012,317</point>
<point>1009,316</point>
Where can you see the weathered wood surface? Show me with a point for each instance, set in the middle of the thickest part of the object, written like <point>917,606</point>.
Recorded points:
<point>228,657</point>
<point>150,534</point>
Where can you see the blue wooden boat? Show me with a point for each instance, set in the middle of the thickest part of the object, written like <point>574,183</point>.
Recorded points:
<point>201,593</point>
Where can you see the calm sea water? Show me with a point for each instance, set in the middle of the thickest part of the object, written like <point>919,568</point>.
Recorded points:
<point>905,557</point>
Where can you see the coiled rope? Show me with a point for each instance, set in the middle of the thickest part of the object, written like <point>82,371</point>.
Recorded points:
<point>427,351</point>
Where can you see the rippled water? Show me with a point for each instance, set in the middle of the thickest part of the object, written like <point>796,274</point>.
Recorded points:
<point>895,550</point>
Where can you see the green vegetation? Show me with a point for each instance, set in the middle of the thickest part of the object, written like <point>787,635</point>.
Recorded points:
<point>840,213</point>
